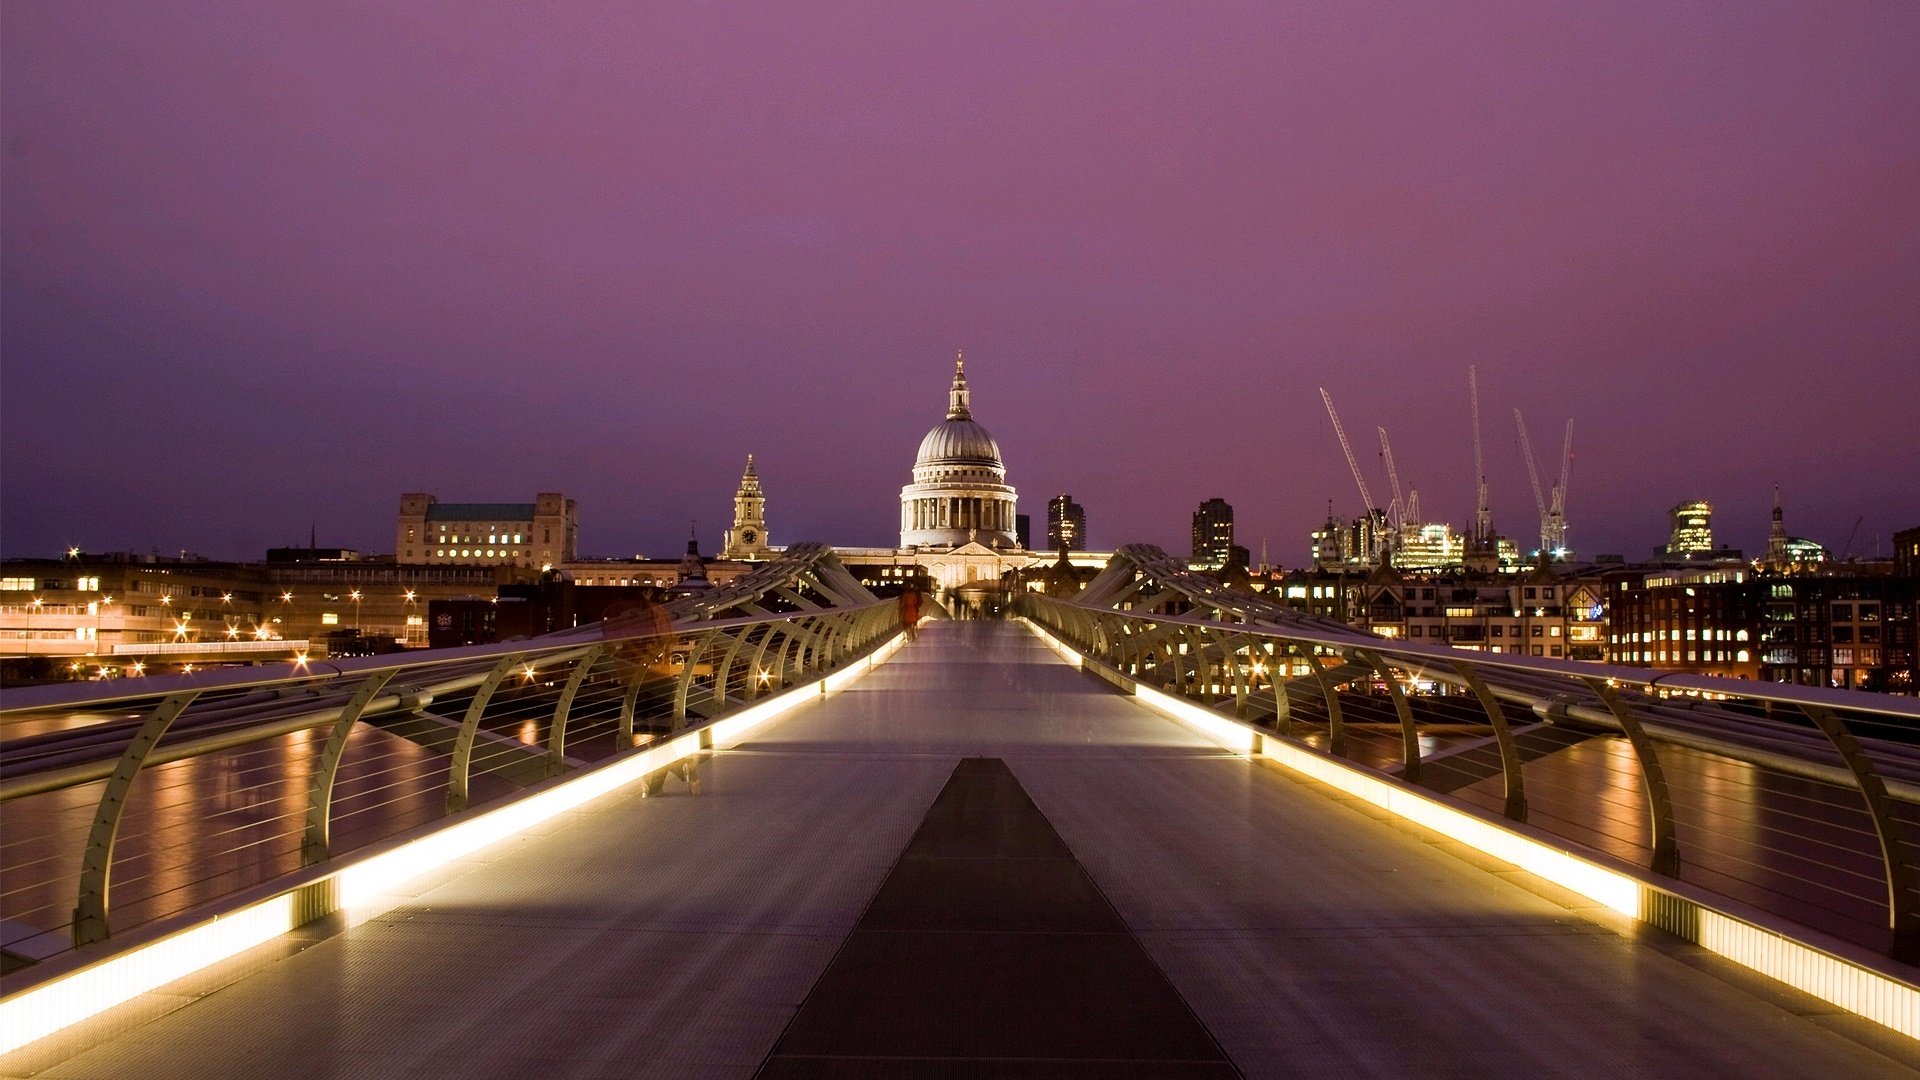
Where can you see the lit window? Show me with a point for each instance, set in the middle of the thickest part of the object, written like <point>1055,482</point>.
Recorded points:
<point>416,620</point>
<point>329,618</point>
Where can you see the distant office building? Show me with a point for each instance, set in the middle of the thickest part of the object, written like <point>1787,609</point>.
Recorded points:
<point>537,534</point>
<point>1066,524</point>
<point>1431,546</point>
<point>1691,535</point>
<point>1849,630</point>
<point>1906,552</point>
<point>1535,613</point>
<point>1212,535</point>
<point>1329,550</point>
<point>1023,531</point>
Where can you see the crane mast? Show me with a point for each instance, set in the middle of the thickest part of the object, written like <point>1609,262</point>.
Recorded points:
<point>1482,513</point>
<point>1533,473</point>
<point>1397,512</point>
<point>1556,531</point>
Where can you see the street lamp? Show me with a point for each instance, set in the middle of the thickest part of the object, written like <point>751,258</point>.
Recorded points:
<point>355,594</point>
<point>99,621</point>
<point>32,610</point>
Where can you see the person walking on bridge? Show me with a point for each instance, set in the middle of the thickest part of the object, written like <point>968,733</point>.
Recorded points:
<point>910,611</point>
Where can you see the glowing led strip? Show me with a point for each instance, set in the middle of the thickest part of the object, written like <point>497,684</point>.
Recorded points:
<point>1858,989</point>
<point>365,888</point>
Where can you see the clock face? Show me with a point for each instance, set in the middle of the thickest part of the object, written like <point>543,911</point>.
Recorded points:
<point>748,536</point>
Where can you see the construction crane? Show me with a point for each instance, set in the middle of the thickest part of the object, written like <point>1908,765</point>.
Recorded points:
<point>1533,473</point>
<point>1396,510</point>
<point>1405,509</point>
<point>1359,480</point>
<point>1553,517</point>
<point>1557,513</point>
<point>1482,513</point>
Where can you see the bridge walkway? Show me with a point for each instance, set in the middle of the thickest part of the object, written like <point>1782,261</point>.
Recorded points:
<point>680,935</point>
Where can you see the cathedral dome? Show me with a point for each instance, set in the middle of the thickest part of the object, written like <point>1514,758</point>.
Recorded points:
<point>958,442</point>
<point>959,493</point>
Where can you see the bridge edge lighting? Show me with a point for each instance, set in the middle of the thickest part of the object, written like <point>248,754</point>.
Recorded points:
<point>1849,985</point>
<point>363,887</point>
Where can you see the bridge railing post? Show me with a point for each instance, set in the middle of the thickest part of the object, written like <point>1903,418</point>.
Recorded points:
<point>93,904</point>
<point>315,841</point>
<point>1403,709</point>
<point>688,667</point>
<point>757,674</point>
<point>563,710</point>
<point>1512,776</point>
<point>1653,780</point>
<point>459,792</point>
<point>1903,920</point>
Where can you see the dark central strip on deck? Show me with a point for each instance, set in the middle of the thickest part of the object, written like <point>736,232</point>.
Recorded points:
<point>988,951</point>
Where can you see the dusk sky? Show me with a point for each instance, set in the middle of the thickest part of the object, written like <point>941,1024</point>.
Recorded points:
<point>269,265</point>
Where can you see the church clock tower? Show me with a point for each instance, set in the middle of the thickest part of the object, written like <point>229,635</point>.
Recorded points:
<point>748,537</point>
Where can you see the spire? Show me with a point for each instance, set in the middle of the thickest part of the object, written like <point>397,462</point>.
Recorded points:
<point>958,405</point>
<point>1777,536</point>
<point>749,481</point>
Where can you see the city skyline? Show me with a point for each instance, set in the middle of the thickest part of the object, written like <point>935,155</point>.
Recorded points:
<point>233,316</point>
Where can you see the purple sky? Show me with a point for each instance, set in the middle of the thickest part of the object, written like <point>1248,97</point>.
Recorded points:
<point>266,265</point>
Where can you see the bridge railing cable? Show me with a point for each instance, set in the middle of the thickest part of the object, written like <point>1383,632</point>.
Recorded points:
<point>126,802</point>
<point>1800,801</point>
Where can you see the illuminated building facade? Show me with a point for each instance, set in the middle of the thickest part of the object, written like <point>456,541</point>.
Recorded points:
<point>1432,546</point>
<point>1066,524</point>
<point>1212,535</point>
<point>538,534</point>
<point>1849,630</point>
<point>1539,613</point>
<point>1691,534</point>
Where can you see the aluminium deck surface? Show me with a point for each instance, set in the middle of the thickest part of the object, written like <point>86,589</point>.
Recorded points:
<point>679,935</point>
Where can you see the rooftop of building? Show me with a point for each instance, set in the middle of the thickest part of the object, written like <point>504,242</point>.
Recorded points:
<point>480,512</point>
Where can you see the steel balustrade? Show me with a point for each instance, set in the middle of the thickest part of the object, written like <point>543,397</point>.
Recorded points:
<point>1803,801</point>
<point>224,779</point>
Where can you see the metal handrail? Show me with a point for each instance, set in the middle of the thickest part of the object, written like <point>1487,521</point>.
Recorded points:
<point>1239,653</point>
<point>596,689</point>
